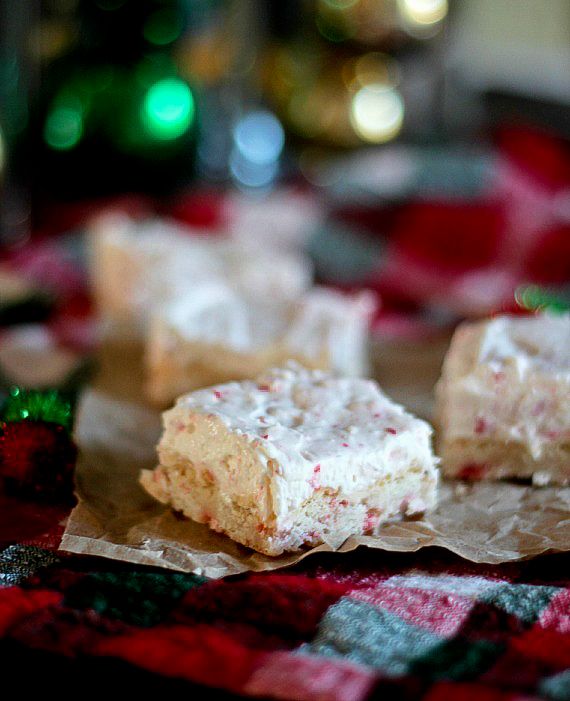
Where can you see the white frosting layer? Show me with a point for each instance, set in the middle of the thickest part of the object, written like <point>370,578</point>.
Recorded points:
<point>322,322</point>
<point>309,430</point>
<point>508,380</point>
<point>140,266</point>
<point>532,344</point>
<point>335,322</point>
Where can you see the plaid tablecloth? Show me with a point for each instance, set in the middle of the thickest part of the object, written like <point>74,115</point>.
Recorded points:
<point>345,628</point>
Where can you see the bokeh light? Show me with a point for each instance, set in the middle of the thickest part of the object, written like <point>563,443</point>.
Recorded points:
<point>163,27</point>
<point>63,127</point>
<point>377,112</point>
<point>252,175</point>
<point>259,137</point>
<point>422,13</point>
<point>376,67</point>
<point>258,142</point>
<point>339,4</point>
<point>334,19</point>
<point>168,109</point>
<point>536,299</point>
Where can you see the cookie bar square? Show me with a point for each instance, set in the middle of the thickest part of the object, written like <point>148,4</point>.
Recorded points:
<point>295,458</point>
<point>138,267</point>
<point>503,400</point>
<point>216,335</point>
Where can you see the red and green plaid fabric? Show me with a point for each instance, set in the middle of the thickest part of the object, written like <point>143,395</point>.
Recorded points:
<point>366,625</point>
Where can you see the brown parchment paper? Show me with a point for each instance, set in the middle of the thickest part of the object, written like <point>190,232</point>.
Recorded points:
<point>115,518</point>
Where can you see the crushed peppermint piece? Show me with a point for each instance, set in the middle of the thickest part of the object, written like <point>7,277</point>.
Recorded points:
<point>472,471</point>
<point>392,431</point>
<point>480,425</point>
<point>217,394</point>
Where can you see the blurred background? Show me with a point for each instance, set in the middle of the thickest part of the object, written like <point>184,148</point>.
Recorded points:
<point>418,148</point>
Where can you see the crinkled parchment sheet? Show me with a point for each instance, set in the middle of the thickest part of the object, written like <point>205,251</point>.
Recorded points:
<point>115,518</point>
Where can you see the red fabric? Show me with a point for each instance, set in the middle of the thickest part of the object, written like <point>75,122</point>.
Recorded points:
<point>65,631</point>
<point>557,614</point>
<point>543,157</point>
<point>450,236</point>
<point>288,605</point>
<point>440,613</point>
<point>450,691</point>
<point>37,458</point>
<point>548,260</point>
<point>17,604</point>
<point>470,256</point>
<point>304,678</point>
<point>57,217</point>
<point>201,654</point>
<point>515,670</point>
<point>545,645</point>
<point>29,523</point>
<point>201,210</point>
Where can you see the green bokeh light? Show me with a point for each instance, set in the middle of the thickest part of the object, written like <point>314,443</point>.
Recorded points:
<point>168,109</point>
<point>536,299</point>
<point>63,128</point>
<point>163,27</point>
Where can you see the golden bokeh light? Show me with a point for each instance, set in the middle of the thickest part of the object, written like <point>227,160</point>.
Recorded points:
<point>422,13</point>
<point>376,67</point>
<point>377,113</point>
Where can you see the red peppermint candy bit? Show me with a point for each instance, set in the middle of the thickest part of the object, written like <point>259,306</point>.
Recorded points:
<point>37,460</point>
<point>480,425</point>
<point>371,520</point>
<point>472,471</point>
<point>392,431</point>
<point>217,394</point>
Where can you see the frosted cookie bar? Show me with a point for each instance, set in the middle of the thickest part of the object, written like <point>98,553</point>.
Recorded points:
<point>139,266</point>
<point>503,401</point>
<point>217,335</point>
<point>297,457</point>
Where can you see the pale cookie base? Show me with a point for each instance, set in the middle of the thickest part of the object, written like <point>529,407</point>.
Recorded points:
<point>327,516</point>
<point>488,460</point>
